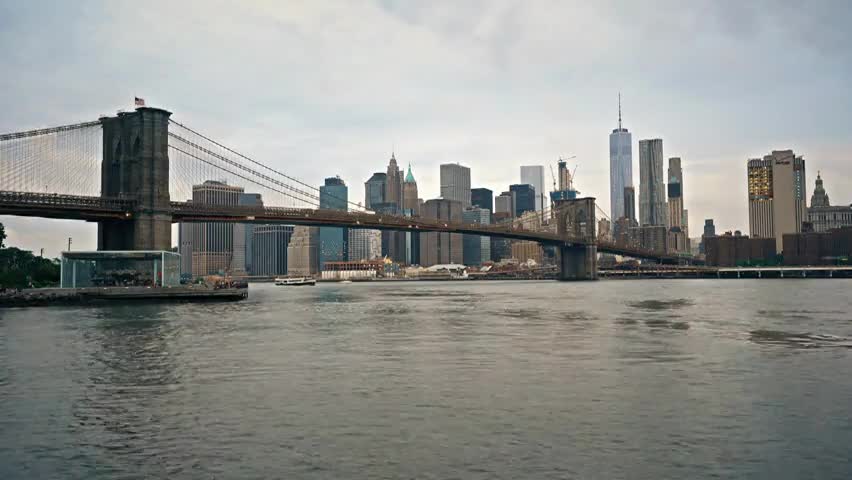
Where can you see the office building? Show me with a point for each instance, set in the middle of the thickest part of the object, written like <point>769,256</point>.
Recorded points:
<point>185,248</point>
<point>822,216</point>
<point>482,198</point>
<point>333,241</point>
<point>652,194</point>
<point>501,249</point>
<point>534,175</point>
<point>709,231</point>
<point>410,200</point>
<point>393,242</point>
<point>303,252</point>
<point>527,252</point>
<point>269,249</point>
<point>504,205</point>
<point>209,246</point>
<point>524,198</point>
<point>439,247</point>
<point>364,244</point>
<point>393,183</point>
<point>776,195</point>
<point>455,183</point>
<point>477,248</point>
<point>412,240</point>
<point>649,237</point>
<point>247,230</point>
<point>374,190</point>
<point>620,168</point>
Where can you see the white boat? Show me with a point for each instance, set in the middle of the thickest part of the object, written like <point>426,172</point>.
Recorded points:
<point>295,281</point>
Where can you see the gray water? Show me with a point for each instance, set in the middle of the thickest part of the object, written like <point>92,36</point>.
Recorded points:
<point>514,380</point>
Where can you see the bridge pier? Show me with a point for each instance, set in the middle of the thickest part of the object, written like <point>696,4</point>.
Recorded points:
<point>575,220</point>
<point>135,166</point>
<point>578,263</point>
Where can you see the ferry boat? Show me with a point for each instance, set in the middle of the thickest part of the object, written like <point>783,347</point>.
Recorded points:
<point>295,281</point>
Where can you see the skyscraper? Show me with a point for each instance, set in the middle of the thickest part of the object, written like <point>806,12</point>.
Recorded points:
<point>630,204</point>
<point>410,202</point>
<point>504,205</point>
<point>482,198</point>
<point>211,244</point>
<point>620,166</point>
<point>393,188</point>
<point>534,175</point>
<point>678,240</point>
<point>333,240</point>
<point>247,231</point>
<point>375,189</point>
<point>652,194</point>
<point>709,231</point>
<point>525,196</point>
<point>303,252</point>
<point>477,248</point>
<point>455,183</point>
<point>441,248</point>
<point>776,195</point>
<point>269,249</point>
<point>759,173</point>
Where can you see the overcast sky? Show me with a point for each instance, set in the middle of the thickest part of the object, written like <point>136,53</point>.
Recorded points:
<point>321,88</point>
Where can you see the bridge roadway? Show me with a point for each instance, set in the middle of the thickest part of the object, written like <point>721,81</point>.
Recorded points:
<point>94,209</point>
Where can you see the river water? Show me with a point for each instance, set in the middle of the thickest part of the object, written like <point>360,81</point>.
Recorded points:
<point>515,380</point>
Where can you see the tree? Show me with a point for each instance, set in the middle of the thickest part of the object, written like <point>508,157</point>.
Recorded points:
<point>20,268</point>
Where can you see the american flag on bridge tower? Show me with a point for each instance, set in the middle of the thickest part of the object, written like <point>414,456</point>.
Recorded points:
<point>140,102</point>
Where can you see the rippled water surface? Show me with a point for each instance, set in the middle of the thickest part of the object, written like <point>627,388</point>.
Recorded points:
<point>514,380</point>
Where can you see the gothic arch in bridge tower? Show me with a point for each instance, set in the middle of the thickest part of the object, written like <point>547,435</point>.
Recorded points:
<point>575,218</point>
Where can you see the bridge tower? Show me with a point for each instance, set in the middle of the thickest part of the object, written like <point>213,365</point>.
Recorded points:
<point>135,166</point>
<point>578,255</point>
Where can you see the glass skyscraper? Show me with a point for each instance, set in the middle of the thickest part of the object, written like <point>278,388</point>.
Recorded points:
<point>524,198</point>
<point>620,167</point>
<point>652,193</point>
<point>534,175</point>
<point>334,241</point>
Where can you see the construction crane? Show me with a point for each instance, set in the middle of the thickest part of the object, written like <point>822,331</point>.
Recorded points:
<point>553,177</point>
<point>565,179</point>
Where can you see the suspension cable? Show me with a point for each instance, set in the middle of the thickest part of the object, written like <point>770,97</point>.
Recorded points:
<point>243,167</point>
<point>262,165</point>
<point>47,131</point>
<point>242,176</point>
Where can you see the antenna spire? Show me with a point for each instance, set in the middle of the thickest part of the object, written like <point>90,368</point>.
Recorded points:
<point>619,110</point>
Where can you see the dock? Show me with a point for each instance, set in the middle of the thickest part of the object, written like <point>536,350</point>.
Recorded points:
<point>37,297</point>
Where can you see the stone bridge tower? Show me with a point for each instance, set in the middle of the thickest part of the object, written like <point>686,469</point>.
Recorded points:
<point>136,166</point>
<point>575,220</point>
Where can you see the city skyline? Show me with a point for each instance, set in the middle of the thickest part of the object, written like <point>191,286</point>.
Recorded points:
<point>500,98</point>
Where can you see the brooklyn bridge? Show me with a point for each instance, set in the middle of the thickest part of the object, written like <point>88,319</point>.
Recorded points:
<point>133,173</point>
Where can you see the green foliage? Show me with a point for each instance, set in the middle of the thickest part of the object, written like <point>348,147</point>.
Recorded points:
<point>20,268</point>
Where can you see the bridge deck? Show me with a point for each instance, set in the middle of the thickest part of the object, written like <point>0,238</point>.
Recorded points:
<point>99,208</point>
